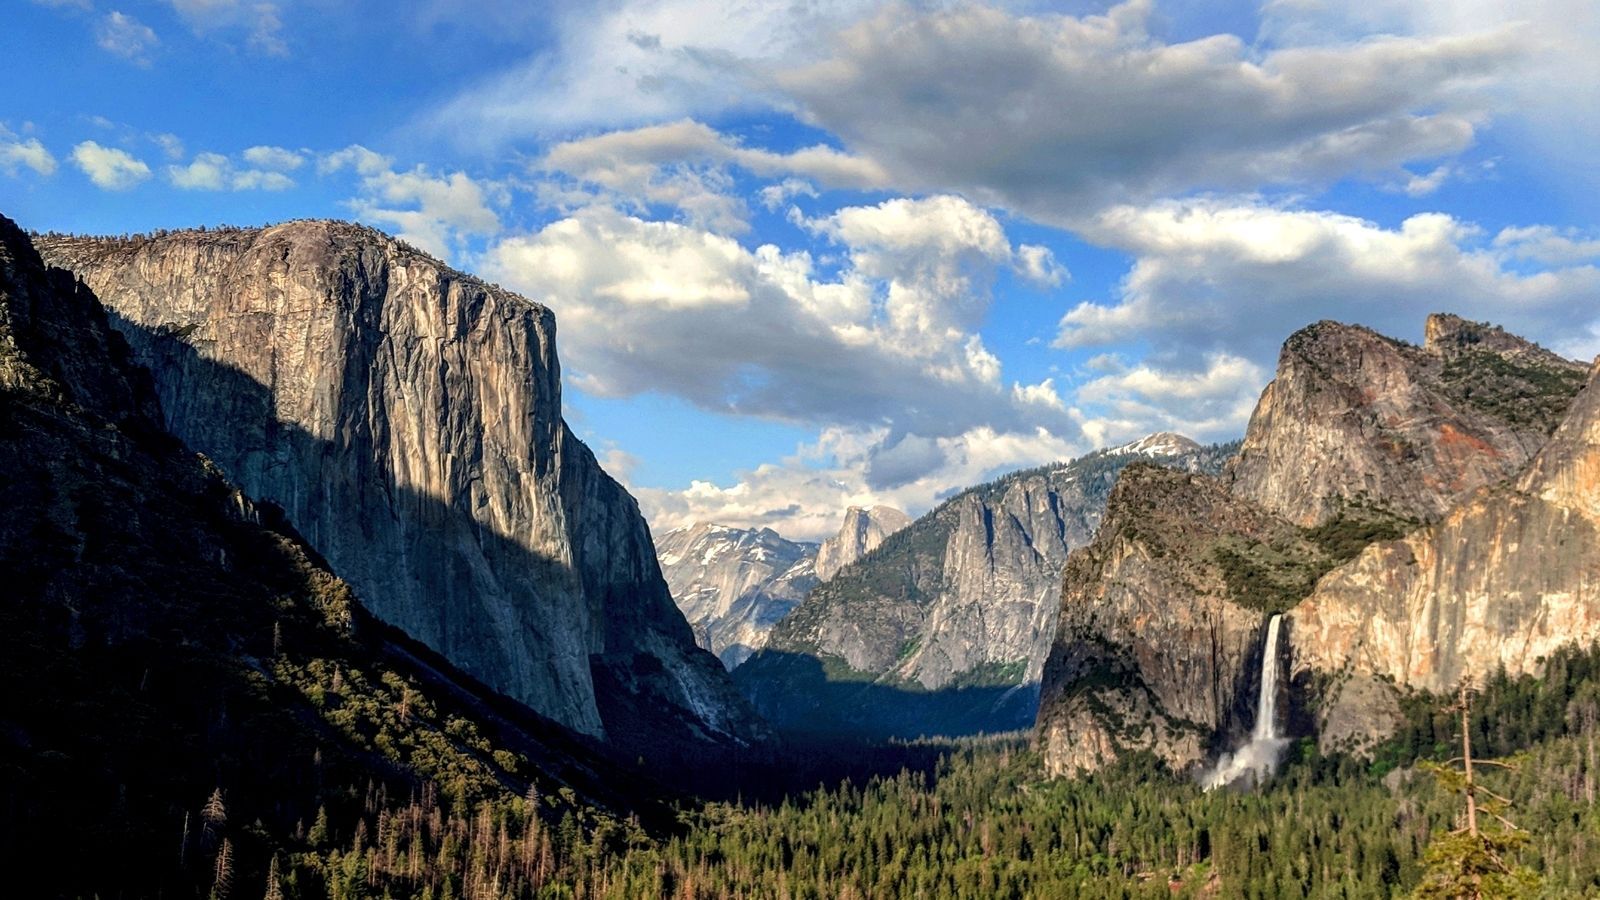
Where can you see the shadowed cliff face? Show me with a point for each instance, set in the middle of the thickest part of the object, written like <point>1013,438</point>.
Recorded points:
<point>408,420</point>
<point>1160,627</point>
<point>162,636</point>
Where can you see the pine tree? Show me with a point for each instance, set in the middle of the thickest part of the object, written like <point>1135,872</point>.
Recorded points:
<point>1473,862</point>
<point>224,871</point>
<point>274,881</point>
<point>213,816</point>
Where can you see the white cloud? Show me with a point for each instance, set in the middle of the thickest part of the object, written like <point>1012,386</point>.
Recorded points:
<point>356,157</point>
<point>276,159</point>
<point>170,144</point>
<point>776,195</point>
<point>16,153</point>
<point>259,23</point>
<point>1038,265</point>
<point>1549,105</point>
<point>685,165</point>
<point>1210,403</point>
<point>1551,246</point>
<point>803,496</point>
<point>108,167</point>
<point>432,211</point>
<point>890,340</point>
<point>127,37</point>
<point>643,61</point>
<point>215,172</point>
<point>1056,116</point>
<point>1236,276</point>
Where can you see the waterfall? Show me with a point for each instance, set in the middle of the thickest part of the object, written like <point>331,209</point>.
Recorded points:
<point>1259,756</point>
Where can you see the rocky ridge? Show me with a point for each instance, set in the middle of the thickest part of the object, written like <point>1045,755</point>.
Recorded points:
<point>945,626</point>
<point>1355,417</point>
<point>863,530</point>
<point>407,418</point>
<point>1359,440</point>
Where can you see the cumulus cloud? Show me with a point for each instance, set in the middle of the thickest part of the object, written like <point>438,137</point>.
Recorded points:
<point>804,495</point>
<point>17,154</point>
<point>663,307</point>
<point>1550,246</point>
<point>1038,265</point>
<point>1236,276</point>
<point>274,158</point>
<point>355,157</point>
<point>432,211</point>
<point>123,35</point>
<point>685,165</point>
<point>1549,105</point>
<point>215,172</point>
<point>1212,402</point>
<point>108,167</point>
<point>1056,115</point>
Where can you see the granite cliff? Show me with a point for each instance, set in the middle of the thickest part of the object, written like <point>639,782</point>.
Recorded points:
<point>162,636</point>
<point>1359,441</point>
<point>945,626</point>
<point>407,418</point>
<point>734,584</point>
<point>1508,575</point>
<point>1355,417</point>
<point>863,530</point>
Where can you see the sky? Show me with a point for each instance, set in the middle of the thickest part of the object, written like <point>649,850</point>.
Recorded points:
<point>809,254</point>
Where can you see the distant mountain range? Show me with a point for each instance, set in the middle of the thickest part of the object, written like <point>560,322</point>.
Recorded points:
<point>943,628</point>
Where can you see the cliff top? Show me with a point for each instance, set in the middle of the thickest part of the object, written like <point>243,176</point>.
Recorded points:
<point>335,237</point>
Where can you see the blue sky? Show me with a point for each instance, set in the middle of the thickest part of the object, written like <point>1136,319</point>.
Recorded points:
<point>809,255</point>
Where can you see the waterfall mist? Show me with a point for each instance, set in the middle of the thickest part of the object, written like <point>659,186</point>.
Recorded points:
<point>1258,758</point>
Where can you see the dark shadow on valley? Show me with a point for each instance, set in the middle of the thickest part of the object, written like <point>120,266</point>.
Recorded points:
<point>794,692</point>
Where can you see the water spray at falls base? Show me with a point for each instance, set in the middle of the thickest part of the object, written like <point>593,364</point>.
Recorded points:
<point>1258,758</point>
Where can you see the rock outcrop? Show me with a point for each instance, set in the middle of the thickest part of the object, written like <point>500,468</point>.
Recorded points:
<point>1359,441</point>
<point>863,530</point>
<point>944,628</point>
<point>1507,576</point>
<point>1160,628</point>
<point>734,584</point>
<point>162,637</point>
<point>1353,417</point>
<point>407,418</point>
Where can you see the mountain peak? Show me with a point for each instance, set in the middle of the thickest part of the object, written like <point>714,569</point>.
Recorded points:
<point>1449,336</point>
<point>1161,443</point>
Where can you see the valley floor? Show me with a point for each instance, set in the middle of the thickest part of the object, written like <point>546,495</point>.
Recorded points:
<point>982,822</point>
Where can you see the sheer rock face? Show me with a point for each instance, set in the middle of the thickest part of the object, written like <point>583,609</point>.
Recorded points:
<point>408,420</point>
<point>1354,416</point>
<point>863,530</point>
<point>1507,576</point>
<point>960,605</point>
<point>734,584</point>
<point>1359,441</point>
<point>1157,647</point>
